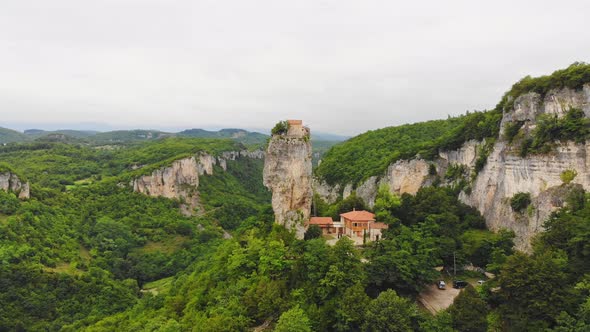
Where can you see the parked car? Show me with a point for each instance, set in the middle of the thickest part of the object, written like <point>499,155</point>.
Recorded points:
<point>442,285</point>
<point>480,282</point>
<point>459,284</point>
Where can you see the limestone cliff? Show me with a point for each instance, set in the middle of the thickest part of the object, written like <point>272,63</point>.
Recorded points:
<point>505,172</point>
<point>287,173</point>
<point>11,182</point>
<point>403,176</point>
<point>180,180</point>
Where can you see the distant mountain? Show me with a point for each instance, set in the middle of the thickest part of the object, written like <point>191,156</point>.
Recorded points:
<point>59,137</point>
<point>240,135</point>
<point>246,137</point>
<point>10,136</point>
<point>127,136</point>
<point>320,136</point>
<point>69,132</point>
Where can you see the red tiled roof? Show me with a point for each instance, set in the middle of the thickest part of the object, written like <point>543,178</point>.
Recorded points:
<point>358,215</point>
<point>380,225</point>
<point>321,221</point>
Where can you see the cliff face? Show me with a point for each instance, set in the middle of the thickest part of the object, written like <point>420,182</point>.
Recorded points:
<point>403,176</point>
<point>181,179</point>
<point>505,173</point>
<point>11,182</point>
<point>287,173</point>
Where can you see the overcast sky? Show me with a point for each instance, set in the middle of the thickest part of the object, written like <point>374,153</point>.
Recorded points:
<point>342,66</point>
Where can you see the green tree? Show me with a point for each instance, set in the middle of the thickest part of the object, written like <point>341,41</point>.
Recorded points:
<point>405,261</point>
<point>469,312</point>
<point>520,201</point>
<point>386,205</point>
<point>532,290</point>
<point>281,128</point>
<point>390,312</point>
<point>293,320</point>
<point>345,271</point>
<point>350,312</point>
<point>312,232</point>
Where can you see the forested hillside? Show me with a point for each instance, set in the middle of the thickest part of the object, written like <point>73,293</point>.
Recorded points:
<point>87,253</point>
<point>84,245</point>
<point>9,136</point>
<point>370,153</point>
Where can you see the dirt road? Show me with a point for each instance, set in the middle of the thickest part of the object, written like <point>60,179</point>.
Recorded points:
<point>435,299</point>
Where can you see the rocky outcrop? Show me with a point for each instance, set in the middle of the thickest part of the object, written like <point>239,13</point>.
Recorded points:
<point>11,182</point>
<point>326,192</point>
<point>180,180</point>
<point>287,173</point>
<point>403,176</point>
<point>505,172</point>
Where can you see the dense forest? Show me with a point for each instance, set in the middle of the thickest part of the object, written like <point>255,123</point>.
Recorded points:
<point>86,253</point>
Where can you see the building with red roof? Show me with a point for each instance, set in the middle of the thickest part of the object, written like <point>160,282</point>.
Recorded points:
<point>327,225</point>
<point>355,224</point>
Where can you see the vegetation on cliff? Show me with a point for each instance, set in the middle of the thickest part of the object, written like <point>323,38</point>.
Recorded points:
<point>371,153</point>
<point>573,77</point>
<point>574,126</point>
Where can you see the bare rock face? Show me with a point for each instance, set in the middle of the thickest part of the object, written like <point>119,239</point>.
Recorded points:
<point>287,173</point>
<point>177,181</point>
<point>11,182</point>
<point>326,192</point>
<point>506,174</point>
<point>407,176</point>
<point>181,179</point>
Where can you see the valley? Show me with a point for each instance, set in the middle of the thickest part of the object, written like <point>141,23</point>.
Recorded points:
<point>212,231</point>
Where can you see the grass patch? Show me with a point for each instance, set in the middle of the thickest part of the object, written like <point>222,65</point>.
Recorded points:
<point>63,267</point>
<point>169,246</point>
<point>161,286</point>
<point>79,183</point>
<point>3,219</point>
<point>84,253</point>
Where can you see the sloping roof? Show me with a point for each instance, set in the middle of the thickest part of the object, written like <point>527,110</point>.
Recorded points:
<point>321,221</point>
<point>380,225</point>
<point>358,215</point>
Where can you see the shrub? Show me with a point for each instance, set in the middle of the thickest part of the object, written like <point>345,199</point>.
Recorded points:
<point>512,130</point>
<point>520,201</point>
<point>483,154</point>
<point>568,175</point>
<point>313,232</point>
<point>280,128</point>
<point>456,171</point>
